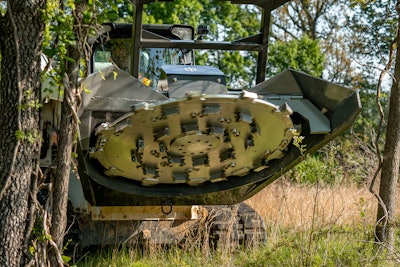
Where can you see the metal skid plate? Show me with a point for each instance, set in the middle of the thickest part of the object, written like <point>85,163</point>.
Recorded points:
<point>194,139</point>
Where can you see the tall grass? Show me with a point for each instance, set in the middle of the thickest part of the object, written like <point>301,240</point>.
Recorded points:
<point>299,206</point>
<point>307,225</point>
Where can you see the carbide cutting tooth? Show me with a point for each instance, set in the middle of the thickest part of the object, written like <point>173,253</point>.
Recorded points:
<point>249,141</point>
<point>180,176</point>
<point>254,128</point>
<point>165,132</point>
<point>170,111</point>
<point>284,143</point>
<point>217,176</point>
<point>140,146</point>
<point>247,94</point>
<point>161,147</point>
<point>211,109</point>
<point>150,171</point>
<point>226,138</point>
<point>148,181</point>
<point>102,141</point>
<point>235,132</point>
<point>190,127</point>
<point>142,105</point>
<point>228,154</point>
<point>154,153</point>
<point>177,160</point>
<point>217,130</point>
<point>197,161</point>
<point>285,109</point>
<point>134,156</point>
<point>101,127</point>
<point>245,117</point>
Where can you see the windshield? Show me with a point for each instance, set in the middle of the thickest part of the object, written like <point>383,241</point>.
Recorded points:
<point>117,52</point>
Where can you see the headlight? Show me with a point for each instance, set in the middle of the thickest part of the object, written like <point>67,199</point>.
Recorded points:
<point>183,32</point>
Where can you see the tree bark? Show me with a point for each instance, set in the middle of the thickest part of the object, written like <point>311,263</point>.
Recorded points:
<point>68,130</point>
<point>21,31</point>
<point>385,228</point>
<point>67,136</point>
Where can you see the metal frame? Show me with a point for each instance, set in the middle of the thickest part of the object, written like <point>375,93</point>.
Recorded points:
<point>257,42</point>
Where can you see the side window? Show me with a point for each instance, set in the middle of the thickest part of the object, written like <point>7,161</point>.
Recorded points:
<point>120,51</point>
<point>114,51</point>
<point>117,52</point>
<point>102,59</point>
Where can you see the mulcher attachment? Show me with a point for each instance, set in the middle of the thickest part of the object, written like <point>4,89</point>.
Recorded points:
<point>194,139</point>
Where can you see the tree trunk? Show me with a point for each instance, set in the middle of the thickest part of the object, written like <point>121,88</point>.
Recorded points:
<point>68,129</point>
<point>67,136</point>
<point>21,31</point>
<point>385,228</point>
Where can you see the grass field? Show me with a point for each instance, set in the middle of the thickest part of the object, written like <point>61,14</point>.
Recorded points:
<point>306,226</point>
<point>300,206</point>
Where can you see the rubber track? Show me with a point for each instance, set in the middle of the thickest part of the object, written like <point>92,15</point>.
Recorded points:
<point>236,226</point>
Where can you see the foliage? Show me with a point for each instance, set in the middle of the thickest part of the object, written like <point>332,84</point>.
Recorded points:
<point>323,21</point>
<point>353,35</point>
<point>3,8</point>
<point>318,168</point>
<point>176,12</point>
<point>303,54</point>
<point>366,124</point>
<point>31,136</point>
<point>60,31</point>
<point>375,23</point>
<point>346,160</point>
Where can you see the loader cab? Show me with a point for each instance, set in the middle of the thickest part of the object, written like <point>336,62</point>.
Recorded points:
<point>114,47</point>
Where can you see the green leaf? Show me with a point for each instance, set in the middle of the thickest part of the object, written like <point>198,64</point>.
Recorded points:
<point>65,258</point>
<point>70,59</point>
<point>86,90</point>
<point>32,250</point>
<point>49,52</point>
<point>20,135</point>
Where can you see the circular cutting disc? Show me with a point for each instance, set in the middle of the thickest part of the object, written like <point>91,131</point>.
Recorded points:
<point>193,140</point>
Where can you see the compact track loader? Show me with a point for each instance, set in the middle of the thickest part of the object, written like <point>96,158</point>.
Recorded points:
<point>164,142</point>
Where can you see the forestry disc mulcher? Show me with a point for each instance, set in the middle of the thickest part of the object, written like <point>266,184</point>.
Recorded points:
<point>164,140</point>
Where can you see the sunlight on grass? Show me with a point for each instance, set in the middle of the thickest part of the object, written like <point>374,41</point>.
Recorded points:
<point>306,226</point>
<point>323,247</point>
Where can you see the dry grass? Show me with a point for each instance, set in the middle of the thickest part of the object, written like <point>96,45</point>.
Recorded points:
<point>306,226</point>
<point>300,206</point>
